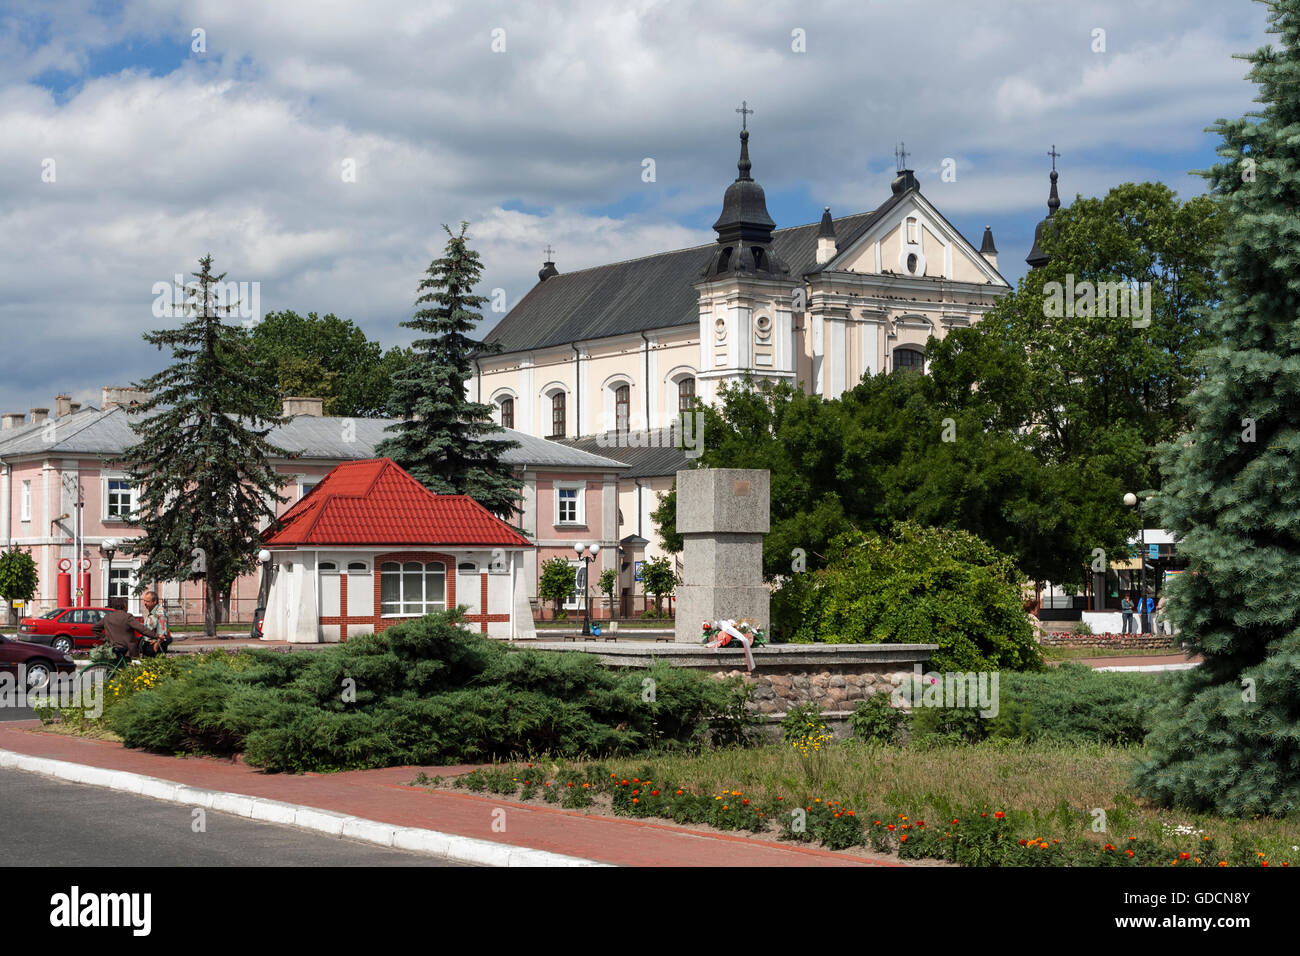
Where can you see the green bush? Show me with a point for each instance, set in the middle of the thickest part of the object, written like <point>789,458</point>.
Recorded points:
<point>1081,629</point>
<point>425,692</point>
<point>1075,704</point>
<point>919,586</point>
<point>874,719</point>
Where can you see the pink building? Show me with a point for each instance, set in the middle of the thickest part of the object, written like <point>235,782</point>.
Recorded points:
<point>61,495</point>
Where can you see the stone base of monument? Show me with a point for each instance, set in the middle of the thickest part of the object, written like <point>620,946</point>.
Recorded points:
<point>835,677</point>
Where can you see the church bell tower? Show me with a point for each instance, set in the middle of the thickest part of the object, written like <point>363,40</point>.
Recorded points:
<point>745,291</point>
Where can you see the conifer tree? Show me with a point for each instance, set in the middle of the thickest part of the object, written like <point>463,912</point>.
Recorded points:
<point>443,438</point>
<point>1229,739</point>
<point>202,466</point>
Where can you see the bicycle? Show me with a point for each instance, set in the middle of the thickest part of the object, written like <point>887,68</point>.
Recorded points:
<point>106,670</point>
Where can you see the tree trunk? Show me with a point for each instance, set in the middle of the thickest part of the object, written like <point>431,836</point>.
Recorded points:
<point>210,599</point>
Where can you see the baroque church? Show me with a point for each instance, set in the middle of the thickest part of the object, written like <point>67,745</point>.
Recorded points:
<point>606,359</point>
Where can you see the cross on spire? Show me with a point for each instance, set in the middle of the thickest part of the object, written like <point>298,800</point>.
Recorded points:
<point>900,154</point>
<point>549,252</point>
<point>744,112</point>
<point>1055,155</point>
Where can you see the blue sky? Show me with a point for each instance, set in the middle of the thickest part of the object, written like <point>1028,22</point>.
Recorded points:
<point>161,153</point>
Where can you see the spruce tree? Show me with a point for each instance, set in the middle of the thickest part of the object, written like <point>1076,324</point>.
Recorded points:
<point>202,465</point>
<point>1229,739</point>
<point>442,439</point>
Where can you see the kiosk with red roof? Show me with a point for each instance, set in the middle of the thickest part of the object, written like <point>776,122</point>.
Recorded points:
<point>370,546</point>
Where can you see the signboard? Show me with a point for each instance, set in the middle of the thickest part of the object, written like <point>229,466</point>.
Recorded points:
<point>636,569</point>
<point>1153,551</point>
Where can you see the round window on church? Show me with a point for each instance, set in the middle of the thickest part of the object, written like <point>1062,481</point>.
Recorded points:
<point>720,329</point>
<point>763,327</point>
<point>911,263</point>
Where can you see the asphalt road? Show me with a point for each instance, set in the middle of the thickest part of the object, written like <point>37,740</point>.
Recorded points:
<point>47,822</point>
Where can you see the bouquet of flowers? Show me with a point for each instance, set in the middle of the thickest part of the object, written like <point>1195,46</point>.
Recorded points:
<point>714,631</point>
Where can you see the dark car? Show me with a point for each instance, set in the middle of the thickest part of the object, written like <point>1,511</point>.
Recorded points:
<point>64,628</point>
<point>34,662</point>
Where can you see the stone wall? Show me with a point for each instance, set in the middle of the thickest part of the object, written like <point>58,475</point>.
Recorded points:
<point>835,677</point>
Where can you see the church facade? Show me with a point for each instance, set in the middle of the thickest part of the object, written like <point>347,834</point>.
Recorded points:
<point>607,359</point>
<point>628,346</point>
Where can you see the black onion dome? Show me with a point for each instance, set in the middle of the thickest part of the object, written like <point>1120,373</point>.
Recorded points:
<point>1037,258</point>
<point>744,228</point>
<point>905,180</point>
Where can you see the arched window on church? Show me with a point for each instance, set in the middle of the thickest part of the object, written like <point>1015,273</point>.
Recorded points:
<point>908,359</point>
<point>507,413</point>
<point>622,408</point>
<point>686,394</point>
<point>557,416</point>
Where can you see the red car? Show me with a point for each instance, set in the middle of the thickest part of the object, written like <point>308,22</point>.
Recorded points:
<point>65,628</point>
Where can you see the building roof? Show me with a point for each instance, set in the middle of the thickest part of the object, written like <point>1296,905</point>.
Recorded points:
<point>653,461</point>
<point>375,502</point>
<point>108,433</point>
<point>637,295</point>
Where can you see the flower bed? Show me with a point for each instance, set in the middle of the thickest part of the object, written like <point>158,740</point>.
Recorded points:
<point>982,836</point>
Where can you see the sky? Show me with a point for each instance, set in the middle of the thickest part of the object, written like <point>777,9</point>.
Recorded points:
<point>316,148</point>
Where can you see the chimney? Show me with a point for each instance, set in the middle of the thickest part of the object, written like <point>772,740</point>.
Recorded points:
<point>62,405</point>
<point>39,415</point>
<point>313,407</point>
<point>13,420</point>
<point>119,395</point>
<point>74,407</point>
<point>826,250</point>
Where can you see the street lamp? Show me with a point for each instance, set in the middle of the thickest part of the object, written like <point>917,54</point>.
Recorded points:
<point>1132,500</point>
<point>108,548</point>
<point>587,554</point>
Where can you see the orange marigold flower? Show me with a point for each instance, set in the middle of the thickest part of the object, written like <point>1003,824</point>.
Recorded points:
<point>1023,842</point>
<point>745,802</point>
<point>954,821</point>
<point>1128,852</point>
<point>1263,862</point>
<point>654,793</point>
<point>635,800</point>
<point>586,786</point>
<point>679,793</point>
<point>984,814</point>
<point>724,806</point>
<point>999,815</point>
<point>1223,863</point>
<point>1132,838</point>
<point>1184,856</point>
<point>569,785</point>
<point>903,838</point>
<point>890,827</point>
<point>850,812</point>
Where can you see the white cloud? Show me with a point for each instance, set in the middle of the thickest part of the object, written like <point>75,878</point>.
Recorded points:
<point>238,151</point>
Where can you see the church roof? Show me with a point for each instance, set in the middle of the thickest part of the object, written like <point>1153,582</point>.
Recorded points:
<point>657,458</point>
<point>377,502</point>
<point>638,295</point>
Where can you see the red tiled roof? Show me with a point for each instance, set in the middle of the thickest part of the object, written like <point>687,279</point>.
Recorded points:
<point>376,502</point>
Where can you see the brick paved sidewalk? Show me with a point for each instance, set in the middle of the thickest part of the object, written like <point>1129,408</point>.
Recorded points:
<point>383,795</point>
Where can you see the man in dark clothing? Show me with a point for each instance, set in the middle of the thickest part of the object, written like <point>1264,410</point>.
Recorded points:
<point>122,629</point>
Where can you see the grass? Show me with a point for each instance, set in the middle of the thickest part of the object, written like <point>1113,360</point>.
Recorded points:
<point>1053,790</point>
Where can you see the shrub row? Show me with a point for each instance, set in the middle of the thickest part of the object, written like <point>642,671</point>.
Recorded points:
<point>426,692</point>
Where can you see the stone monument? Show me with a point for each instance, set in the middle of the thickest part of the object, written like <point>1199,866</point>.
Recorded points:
<point>722,515</point>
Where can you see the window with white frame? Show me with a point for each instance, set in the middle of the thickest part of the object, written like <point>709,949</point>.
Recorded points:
<point>119,582</point>
<point>27,501</point>
<point>119,499</point>
<point>358,567</point>
<point>412,588</point>
<point>570,506</point>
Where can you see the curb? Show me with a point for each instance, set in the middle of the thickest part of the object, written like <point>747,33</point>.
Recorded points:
<point>447,846</point>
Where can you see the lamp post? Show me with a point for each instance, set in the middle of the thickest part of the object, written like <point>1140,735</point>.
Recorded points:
<point>1132,500</point>
<point>264,557</point>
<point>587,554</point>
<point>108,548</point>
